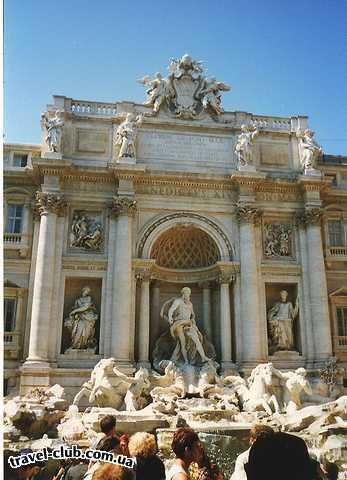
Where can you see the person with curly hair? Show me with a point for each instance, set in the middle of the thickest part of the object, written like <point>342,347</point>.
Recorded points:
<point>143,447</point>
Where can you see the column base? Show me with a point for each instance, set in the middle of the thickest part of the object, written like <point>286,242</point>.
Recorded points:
<point>228,368</point>
<point>144,364</point>
<point>34,373</point>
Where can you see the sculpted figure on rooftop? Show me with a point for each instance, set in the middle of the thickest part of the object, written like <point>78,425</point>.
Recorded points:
<point>309,150</point>
<point>125,137</point>
<point>53,127</point>
<point>244,144</point>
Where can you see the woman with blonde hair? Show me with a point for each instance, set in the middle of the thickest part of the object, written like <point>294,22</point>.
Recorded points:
<point>143,446</point>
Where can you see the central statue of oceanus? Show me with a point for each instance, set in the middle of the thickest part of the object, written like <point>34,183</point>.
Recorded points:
<point>183,343</point>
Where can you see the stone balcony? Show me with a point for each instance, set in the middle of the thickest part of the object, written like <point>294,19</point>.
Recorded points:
<point>17,241</point>
<point>333,254</point>
<point>12,341</point>
<point>340,344</point>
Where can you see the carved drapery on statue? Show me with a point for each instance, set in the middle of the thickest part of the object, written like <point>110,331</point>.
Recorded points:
<point>183,343</point>
<point>186,91</point>
<point>81,323</point>
<point>281,317</point>
<point>53,128</point>
<point>309,151</point>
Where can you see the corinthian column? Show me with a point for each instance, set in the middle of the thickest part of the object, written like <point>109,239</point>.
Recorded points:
<point>317,285</point>
<point>253,331</point>
<point>225,319</point>
<point>144,278</point>
<point>122,330</point>
<point>49,205</point>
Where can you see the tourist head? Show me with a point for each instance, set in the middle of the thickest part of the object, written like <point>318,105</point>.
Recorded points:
<point>258,431</point>
<point>186,292</point>
<point>279,455</point>
<point>284,295</point>
<point>108,425</point>
<point>186,446</point>
<point>113,472</point>
<point>142,444</point>
<point>331,470</point>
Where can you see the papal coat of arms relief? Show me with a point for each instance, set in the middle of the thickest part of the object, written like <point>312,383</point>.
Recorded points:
<point>186,92</point>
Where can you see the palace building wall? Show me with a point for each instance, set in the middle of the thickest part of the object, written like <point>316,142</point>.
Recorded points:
<point>176,211</point>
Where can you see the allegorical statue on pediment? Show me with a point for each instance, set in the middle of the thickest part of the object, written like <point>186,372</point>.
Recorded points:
<point>309,151</point>
<point>53,127</point>
<point>186,92</point>
<point>81,322</point>
<point>183,343</point>
<point>125,136</point>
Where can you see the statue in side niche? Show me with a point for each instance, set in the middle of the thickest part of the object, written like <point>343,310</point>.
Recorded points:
<point>81,322</point>
<point>281,318</point>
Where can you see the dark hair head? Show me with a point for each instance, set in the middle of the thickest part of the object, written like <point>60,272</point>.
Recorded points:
<point>279,455</point>
<point>113,472</point>
<point>258,431</point>
<point>182,439</point>
<point>107,444</point>
<point>107,423</point>
<point>332,470</point>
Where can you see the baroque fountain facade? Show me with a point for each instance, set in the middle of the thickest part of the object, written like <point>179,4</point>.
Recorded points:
<point>170,262</point>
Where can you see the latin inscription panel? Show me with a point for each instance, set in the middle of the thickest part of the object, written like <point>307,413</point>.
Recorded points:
<point>183,147</point>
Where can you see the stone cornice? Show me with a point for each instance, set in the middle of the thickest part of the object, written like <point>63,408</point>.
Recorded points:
<point>50,203</point>
<point>143,269</point>
<point>197,275</point>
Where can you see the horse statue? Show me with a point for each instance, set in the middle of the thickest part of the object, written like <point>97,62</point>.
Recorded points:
<point>256,394</point>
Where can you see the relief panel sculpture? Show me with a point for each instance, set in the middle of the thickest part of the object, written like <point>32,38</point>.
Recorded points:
<point>86,233</point>
<point>278,240</point>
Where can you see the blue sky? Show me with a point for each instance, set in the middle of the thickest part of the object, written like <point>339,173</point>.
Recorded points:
<point>282,57</point>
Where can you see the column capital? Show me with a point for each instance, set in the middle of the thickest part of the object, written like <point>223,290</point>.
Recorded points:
<point>225,278</point>
<point>123,206</point>
<point>312,215</point>
<point>144,275</point>
<point>49,203</point>
<point>247,213</point>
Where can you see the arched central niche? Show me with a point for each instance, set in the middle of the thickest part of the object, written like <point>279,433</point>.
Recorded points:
<point>185,247</point>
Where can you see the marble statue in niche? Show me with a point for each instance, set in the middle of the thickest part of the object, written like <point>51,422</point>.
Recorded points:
<point>309,151</point>
<point>277,240</point>
<point>81,323</point>
<point>86,233</point>
<point>53,127</point>
<point>183,343</point>
<point>125,136</point>
<point>243,146</point>
<point>281,317</point>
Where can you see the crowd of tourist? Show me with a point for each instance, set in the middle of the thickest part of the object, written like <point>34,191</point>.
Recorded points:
<point>271,456</point>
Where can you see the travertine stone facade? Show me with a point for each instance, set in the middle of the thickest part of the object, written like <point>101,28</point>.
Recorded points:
<point>238,235</point>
